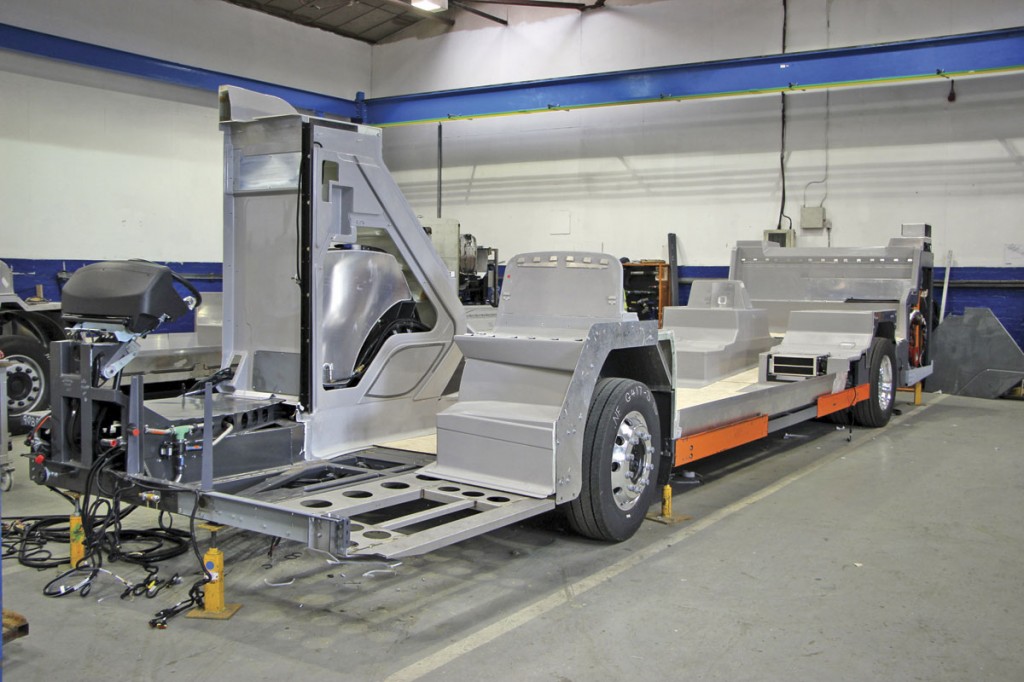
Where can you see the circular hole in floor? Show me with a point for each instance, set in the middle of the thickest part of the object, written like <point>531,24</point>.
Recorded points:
<point>317,504</point>
<point>355,527</point>
<point>448,489</point>
<point>497,498</point>
<point>424,477</point>
<point>472,493</point>
<point>394,485</point>
<point>377,534</point>
<point>357,493</point>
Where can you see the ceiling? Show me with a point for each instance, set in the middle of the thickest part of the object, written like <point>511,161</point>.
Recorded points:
<point>374,20</point>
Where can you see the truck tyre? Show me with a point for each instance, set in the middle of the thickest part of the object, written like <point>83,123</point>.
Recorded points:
<point>877,409</point>
<point>27,378</point>
<point>620,461</point>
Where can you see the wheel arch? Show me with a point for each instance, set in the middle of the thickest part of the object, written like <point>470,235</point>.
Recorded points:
<point>650,365</point>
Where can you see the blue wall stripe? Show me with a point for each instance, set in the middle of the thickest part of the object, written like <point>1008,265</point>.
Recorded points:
<point>950,56</point>
<point>967,54</point>
<point>77,52</point>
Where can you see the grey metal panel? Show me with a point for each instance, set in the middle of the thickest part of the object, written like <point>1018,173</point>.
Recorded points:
<point>786,279</point>
<point>725,293</point>
<point>557,354</point>
<point>526,387</point>
<point>191,407</point>
<point>261,292</point>
<point>779,311</point>
<point>274,372</point>
<point>538,286</point>
<point>759,399</point>
<point>404,371</point>
<point>210,320</point>
<point>838,333</point>
<point>358,288</point>
<point>264,172</point>
<point>350,192</point>
<point>363,201</point>
<point>975,356</point>
<point>718,333</point>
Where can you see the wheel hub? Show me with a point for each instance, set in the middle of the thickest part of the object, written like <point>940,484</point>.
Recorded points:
<point>885,383</point>
<point>632,460</point>
<point>24,384</point>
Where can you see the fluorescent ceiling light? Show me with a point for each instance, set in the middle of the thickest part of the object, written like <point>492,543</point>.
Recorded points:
<point>430,5</point>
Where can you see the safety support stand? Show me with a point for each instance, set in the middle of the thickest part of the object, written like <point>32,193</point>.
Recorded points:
<point>666,516</point>
<point>76,534</point>
<point>214,607</point>
<point>917,389</point>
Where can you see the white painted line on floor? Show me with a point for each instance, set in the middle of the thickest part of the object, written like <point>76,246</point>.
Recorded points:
<point>569,592</point>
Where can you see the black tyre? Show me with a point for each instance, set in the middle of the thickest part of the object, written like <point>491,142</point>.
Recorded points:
<point>840,418</point>
<point>28,387</point>
<point>620,461</point>
<point>877,409</point>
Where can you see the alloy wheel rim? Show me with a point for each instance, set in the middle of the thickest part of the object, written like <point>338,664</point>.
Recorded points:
<point>632,460</point>
<point>885,383</point>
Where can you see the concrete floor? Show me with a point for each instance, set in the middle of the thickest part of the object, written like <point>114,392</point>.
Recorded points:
<point>896,556</point>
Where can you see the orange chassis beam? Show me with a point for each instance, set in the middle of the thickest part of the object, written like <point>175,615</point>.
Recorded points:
<point>706,443</point>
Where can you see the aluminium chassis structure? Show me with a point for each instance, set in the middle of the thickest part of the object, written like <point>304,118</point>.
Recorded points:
<point>355,413</point>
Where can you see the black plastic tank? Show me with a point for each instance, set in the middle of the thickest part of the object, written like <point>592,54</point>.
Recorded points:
<point>136,294</point>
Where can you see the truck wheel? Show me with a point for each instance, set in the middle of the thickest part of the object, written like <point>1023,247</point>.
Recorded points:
<point>620,461</point>
<point>27,378</point>
<point>877,409</point>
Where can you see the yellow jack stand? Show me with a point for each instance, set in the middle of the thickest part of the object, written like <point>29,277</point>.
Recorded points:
<point>666,516</point>
<point>918,388</point>
<point>214,607</point>
<point>77,536</point>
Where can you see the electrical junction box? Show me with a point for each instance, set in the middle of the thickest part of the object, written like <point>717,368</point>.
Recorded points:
<point>781,237</point>
<point>812,217</point>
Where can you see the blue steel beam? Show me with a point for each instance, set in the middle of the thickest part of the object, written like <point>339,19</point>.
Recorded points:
<point>65,49</point>
<point>947,57</point>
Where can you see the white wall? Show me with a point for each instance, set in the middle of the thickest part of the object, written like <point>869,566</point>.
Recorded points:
<point>624,177</point>
<point>98,165</point>
<point>94,173</point>
<point>627,34</point>
<point>621,178</point>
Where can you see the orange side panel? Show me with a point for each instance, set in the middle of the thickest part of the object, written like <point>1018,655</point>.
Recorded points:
<point>707,443</point>
<point>833,402</point>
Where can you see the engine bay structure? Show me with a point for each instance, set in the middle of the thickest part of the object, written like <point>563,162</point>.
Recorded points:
<point>354,412</point>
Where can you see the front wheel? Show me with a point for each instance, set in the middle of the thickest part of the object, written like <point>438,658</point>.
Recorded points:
<point>877,409</point>
<point>620,461</point>
<point>27,375</point>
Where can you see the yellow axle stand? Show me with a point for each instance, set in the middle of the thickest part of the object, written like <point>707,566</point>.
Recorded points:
<point>666,515</point>
<point>213,592</point>
<point>77,535</point>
